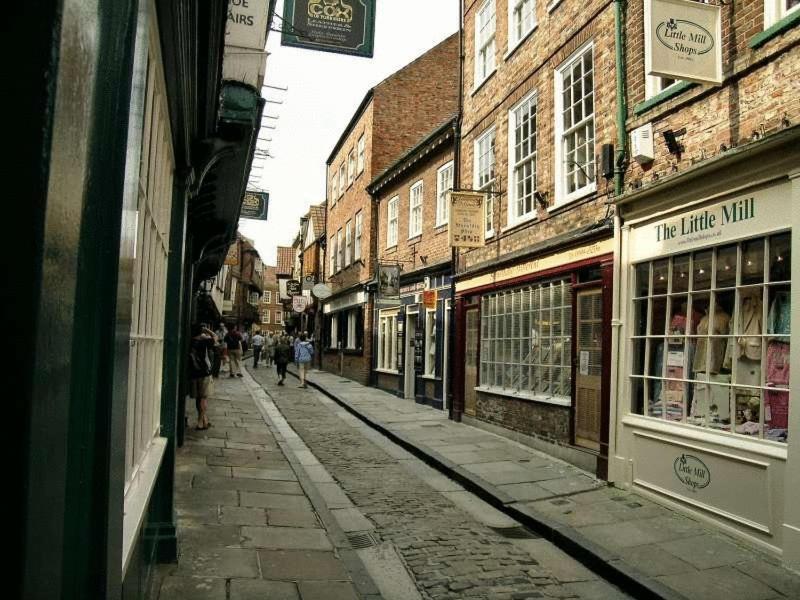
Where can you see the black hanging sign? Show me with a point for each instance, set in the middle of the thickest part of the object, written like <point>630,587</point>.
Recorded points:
<point>255,205</point>
<point>342,26</point>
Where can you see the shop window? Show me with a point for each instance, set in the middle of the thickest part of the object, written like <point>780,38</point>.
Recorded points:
<point>575,175</point>
<point>710,338</point>
<point>387,340</point>
<point>484,177</point>
<point>430,343</point>
<point>526,341</point>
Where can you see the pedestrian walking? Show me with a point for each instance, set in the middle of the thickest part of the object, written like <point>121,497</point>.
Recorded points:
<point>233,341</point>
<point>269,348</point>
<point>221,332</point>
<point>303,354</point>
<point>258,346</point>
<point>283,354</point>
<point>216,363</point>
<point>245,341</point>
<point>200,348</point>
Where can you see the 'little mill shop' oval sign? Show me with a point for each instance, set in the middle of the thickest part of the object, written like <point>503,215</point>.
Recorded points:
<point>692,472</point>
<point>685,37</point>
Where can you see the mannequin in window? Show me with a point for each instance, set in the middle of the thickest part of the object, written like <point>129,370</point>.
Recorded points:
<point>715,349</point>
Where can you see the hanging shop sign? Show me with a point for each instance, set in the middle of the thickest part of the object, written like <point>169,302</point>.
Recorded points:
<point>467,219</point>
<point>341,26</point>
<point>683,40</point>
<point>255,205</point>
<point>293,288</point>
<point>299,303</point>
<point>308,282</point>
<point>740,216</point>
<point>389,282</point>
<point>321,291</point>
<point>232,258</point>
<point>429,298</point>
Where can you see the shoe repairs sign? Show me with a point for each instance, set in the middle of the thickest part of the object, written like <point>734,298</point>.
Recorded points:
<point>683,40</point>
<point>341,26</point>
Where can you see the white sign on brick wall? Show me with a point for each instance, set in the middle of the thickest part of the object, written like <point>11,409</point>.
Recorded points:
<point>683,40</point>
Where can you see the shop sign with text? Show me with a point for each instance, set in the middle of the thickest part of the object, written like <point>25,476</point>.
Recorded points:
<point>255,205</point>
<point>246,26</point>
<point>683,40</point>
<point>341,26</point>
<point>467,219</point>
<point>741,216</point>
<point>429,298</point>
<point>389,282</point>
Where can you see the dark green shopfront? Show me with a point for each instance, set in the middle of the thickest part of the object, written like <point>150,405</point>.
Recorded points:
<point>132,153</point>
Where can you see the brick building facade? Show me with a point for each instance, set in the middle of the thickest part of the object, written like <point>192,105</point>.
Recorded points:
<point>707,228</point>
<point>393,117</point>
<point>412,216</point>
<point>271,308</point>
<point>532,305</point>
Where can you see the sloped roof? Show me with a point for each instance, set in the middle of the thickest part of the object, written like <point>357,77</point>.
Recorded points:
<point>285,260</point>
<point>317,215</point>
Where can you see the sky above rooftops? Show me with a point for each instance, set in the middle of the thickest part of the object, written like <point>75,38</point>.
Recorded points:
<point>323,92</point>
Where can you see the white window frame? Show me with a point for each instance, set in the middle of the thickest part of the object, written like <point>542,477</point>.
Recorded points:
<point>352,319</point>
<point>357,239</point>
<point>444,183</point>
<point>265,317</point>
<point>342,181</point>
<point>278,317</point>
<point>334,187</point>
<point>430,342</point>
<point>516,38</point>
<point>514,217</point>
<point>267,297</point>
<point>332,254</point>
<point>387,352</point>
<point>339,250</point>
<point>415,201</point>
<point>348,240</point>
<point>563,197</point>
<point>361,150</point>
<point>488,185</point>
<point>485,43</point>
<point>391,222</point>
<point>335,330</point>
<point>775,10</point>
<point>351,166</point>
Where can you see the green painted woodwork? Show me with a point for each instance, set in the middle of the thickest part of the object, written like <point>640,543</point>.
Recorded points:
<point>782,26</point>
<point>670,92</point>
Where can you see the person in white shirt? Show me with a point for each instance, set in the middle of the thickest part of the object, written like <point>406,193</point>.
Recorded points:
<point>258,345</point>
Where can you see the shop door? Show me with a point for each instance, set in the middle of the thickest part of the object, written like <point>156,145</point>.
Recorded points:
<point>588,358</point>
<point>471,361</point>
<point>410,387</point>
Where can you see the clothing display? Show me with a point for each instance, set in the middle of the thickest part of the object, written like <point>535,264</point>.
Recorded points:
<point>717,346</point>
<point>779,317</point>
<point>748,340</point>
<point>776,401</point>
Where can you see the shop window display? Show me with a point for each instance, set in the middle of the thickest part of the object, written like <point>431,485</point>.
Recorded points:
<point>710,338</point>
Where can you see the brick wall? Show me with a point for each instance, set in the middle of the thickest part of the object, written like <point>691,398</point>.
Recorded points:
<point>356,366</point>
<point>531,68</point>
<point>433,242</point>
<point>761,87</point>
<point>546,421</point>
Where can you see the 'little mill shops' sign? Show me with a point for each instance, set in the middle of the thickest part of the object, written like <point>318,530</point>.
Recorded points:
<point>683,40</point>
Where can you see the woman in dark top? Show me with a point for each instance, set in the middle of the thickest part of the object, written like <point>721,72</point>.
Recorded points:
<point>200,349</point>
<point>283,354</point>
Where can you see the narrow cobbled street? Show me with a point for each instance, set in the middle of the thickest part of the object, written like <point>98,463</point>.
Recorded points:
<point>453,544</point>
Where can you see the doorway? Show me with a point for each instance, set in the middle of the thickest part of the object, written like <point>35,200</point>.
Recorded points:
<point>589,362</point>
<point>409,367</point>
<point>471,361</point>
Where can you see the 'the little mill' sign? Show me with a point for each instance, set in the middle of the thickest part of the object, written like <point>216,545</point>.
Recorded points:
<point>683,40</point>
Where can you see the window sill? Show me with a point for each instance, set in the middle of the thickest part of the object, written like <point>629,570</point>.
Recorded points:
<point>489,234</point>
<point>430,377</point>
<point>519,223</point>
<point>415,238</point>
<point>137,496</point>
<point>669,93</point>
<point>554,400</point>
<point>391,248</point>
<point>481,83</point>
<point>775,30</point>
<point>573,197</point>
<point>512,49</point>
<point>387,371</point>
<point>439,227</point>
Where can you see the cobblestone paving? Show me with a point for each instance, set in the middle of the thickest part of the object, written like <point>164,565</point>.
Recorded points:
<point>449,554</point>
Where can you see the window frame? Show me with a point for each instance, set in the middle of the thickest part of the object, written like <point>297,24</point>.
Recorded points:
<point>482,68</point>
<point>342,180</point>
<point>265,317</point>
<point>563,197</point>
<point>491,132</point>
<point>429,369</point>
<point>267,297</point>
<point>278,317</point>
<point>334,188</point>
<point>357,237</point>
<point>351,167</point>
<point>387,327</point>
<point>339,250</point>
<point>442,208</point>
<point>775,10</point>
<point>348,240</point>
<point>415,192</point>
<point>392,222</point>
<point>362,144</point>
<point>512,218</point>
<point>514,40</point>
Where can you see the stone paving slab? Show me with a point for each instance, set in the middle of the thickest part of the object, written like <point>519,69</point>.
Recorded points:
<point>652,548</point>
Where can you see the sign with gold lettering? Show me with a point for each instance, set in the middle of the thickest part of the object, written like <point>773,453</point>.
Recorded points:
<point>232,258</point>
<point>429,298</point>
<point>467,219</point>
<point>342,26</point>
<point>255,205</point>
<point>683,40</point>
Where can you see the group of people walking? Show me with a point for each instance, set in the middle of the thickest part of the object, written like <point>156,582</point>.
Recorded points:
<point>210,349</point>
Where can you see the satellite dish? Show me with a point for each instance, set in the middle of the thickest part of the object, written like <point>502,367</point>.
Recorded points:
<point>321,291</point>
